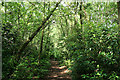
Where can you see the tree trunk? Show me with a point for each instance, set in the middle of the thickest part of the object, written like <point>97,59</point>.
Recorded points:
<point>75,19</point>
<point>81,16</point>
<point>41,44</point>
<point>48,38</point>
<point>66,25</point>
<point>118,4</point>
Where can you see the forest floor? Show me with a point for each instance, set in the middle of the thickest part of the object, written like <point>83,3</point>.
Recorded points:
<point>58,73</point>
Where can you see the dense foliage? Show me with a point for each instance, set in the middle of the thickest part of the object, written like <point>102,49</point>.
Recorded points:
<point>84,36</point>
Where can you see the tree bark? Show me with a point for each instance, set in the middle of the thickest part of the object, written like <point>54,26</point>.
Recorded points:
<point>75,19</point>
<point>118,4</point>
<point>48,38</point>
<point>66,25</point>
<point>81,16</point>
<point>41,44</point>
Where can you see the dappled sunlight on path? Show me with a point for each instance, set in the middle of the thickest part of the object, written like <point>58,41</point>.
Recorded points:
<point>58,73</point>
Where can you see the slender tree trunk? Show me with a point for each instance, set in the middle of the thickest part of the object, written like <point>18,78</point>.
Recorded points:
<point>48,38</point>
<point>41,44</point>
<point>5,12</point>
<point>75,20</point>
<point>61,23</point>
<point>18,14</point>
<point>67,28</point>
<point>72,24</point>
<point>63,33</point>
<point>118,4</point>
<point>18,19</point>
<point>81,16</point>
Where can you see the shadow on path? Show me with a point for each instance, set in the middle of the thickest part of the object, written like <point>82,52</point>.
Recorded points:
<point>58,73</point>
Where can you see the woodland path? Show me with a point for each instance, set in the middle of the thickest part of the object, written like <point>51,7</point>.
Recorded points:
<point>58,73</point>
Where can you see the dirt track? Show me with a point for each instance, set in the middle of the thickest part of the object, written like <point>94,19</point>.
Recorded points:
<point>58,73</point>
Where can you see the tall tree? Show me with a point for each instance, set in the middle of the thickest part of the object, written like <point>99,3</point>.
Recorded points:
<point>81,15</point>
<point>41,44</point>
<point>118,4</point>
<point>75,18</point>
